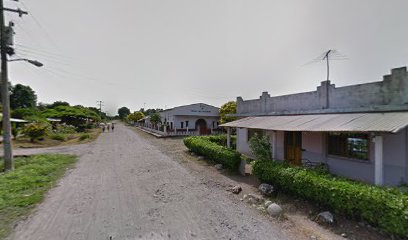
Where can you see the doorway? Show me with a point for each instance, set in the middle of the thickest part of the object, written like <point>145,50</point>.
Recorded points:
<point>293,147</point>
<point>201,126</point>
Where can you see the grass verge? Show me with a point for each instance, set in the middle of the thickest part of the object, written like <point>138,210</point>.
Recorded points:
<point>26,186</point>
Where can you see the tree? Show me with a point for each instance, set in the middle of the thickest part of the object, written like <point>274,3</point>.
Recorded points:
<point>58,103</point>
<point>150,111</point>
<point>22,96</point>
<point>123,112</point>
<point>136,116</point>
<point>155,119</point>
<point>228,108</point>
<point>76,116</point>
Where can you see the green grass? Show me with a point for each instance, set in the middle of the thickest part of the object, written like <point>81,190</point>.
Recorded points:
<point>23,188</point>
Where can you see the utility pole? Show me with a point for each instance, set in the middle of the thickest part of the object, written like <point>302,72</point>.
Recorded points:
<point>5,43</point>
<point>100,104</point>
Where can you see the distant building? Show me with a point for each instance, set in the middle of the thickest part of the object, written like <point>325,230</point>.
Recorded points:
<point>359,131</point>
<point>193,119</point>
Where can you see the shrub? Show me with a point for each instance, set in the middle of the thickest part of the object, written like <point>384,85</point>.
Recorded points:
<point>260,147</point>
<point>201,145</point>
<point>14,131</point>
<point>35,131</point>
<point>84,136</point>
<point>81,128</point>
<point>59,137</point>
<point>67,129</point>
<point>383,207</point>
<point>222,140</point>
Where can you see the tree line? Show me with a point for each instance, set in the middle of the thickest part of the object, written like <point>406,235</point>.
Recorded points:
<point>23,104</point>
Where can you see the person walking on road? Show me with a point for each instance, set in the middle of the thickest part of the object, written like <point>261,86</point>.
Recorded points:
<point>112,127</point>
<point>103,128</point>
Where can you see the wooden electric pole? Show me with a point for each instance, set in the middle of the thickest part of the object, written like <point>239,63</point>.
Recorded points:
<point>5,42</point>
<point>100,104</point>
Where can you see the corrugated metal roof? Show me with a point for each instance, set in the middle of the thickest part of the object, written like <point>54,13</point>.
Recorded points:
<point>347,122</point>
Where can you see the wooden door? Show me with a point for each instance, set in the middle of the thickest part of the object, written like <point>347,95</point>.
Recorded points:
<point>293,147</point>
<point>201,126</point>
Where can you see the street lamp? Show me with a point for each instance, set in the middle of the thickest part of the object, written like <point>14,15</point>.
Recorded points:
<point>8,149</point>
<point>34,62</point>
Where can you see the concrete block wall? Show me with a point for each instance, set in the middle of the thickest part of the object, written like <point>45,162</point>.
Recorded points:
<point>389,94</point>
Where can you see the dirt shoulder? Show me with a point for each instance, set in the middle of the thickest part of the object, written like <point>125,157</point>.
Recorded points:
<point>299,214</point>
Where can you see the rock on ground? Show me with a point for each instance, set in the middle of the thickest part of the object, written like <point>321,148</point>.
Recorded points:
<point>274,210</point>
<point>266,189</point>
<point>253,199</point>
<point>325,217</point>
<point>236,190</point>
<point>218,166</point>
<point>267,203</point>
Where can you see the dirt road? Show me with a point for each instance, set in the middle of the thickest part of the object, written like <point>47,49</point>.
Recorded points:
<point>124,187</point>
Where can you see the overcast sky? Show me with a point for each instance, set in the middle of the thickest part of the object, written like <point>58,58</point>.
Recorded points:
<point>166,53</point>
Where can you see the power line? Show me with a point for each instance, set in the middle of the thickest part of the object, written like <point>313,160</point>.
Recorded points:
<point>50,39</point>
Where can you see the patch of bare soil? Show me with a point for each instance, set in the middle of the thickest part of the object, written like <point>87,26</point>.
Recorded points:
<point>298,220</point>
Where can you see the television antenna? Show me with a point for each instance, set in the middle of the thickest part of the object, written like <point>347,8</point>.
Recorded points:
<point>327,56</point>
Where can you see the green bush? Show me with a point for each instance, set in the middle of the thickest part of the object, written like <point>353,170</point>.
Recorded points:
<point>260,147</point>
<point>84,136</point>
<point>201,145</point>
<point>59,137</point>
<point>222,140</point>
<point>383,207</point>
<point>67,129</point>
<point>35,131</point>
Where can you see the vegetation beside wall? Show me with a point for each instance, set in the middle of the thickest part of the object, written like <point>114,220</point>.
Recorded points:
<point>203,146</point>
<point>222,140</point>
<point>22,189</point>
<point>382,207</point>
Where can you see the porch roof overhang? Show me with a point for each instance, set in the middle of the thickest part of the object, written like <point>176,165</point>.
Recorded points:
<point>390,122</point>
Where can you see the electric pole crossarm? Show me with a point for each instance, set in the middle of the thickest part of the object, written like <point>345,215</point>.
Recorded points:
<point>19,11</point>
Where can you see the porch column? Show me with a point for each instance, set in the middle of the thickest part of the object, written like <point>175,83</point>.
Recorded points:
<point>378,161</point>
<point>165,129</point>
<point>274,144</point>
<point>229,137</point>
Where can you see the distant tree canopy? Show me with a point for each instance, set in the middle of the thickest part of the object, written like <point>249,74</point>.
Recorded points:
<point>150,111</point>
<point>123,112</point>
<point>136,116</point>
<point>72,115</point>
<point>228,108</point>
<point>58,103</point>
<point>22,96</point>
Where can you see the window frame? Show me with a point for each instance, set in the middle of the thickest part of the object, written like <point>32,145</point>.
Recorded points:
<point>346,154</point>
<point>255,130</point>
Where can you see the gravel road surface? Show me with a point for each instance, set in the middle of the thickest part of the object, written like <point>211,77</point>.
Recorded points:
<point>124,187</point>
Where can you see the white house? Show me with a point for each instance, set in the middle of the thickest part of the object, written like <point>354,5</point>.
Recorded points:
<point>358,131</point>
<point>193,119</point>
